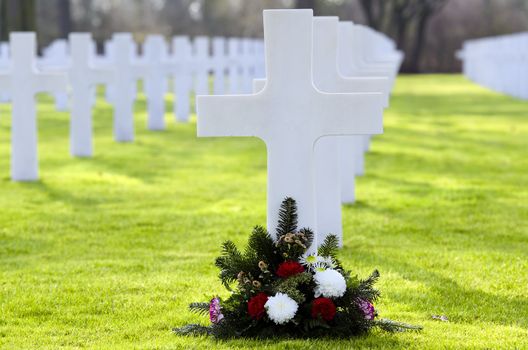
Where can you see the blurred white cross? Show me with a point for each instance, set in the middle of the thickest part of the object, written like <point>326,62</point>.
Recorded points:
<point>22,82</point>
<point>83,77</point>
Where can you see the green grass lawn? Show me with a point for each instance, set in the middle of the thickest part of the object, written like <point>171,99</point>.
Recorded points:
<point>107,252</point>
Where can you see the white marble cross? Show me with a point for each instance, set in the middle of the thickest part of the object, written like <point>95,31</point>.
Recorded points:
<point>201,65</point>
<point>327,158</point>
<point>83,78</point>
<point>290,114</point>
<point>22,82</point>
<point>219,65</point>
<point>155,78</point>
<point>124,87</point>
<point>182,77</point>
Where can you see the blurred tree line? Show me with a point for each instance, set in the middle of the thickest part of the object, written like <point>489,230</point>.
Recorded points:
<point>428,31</point>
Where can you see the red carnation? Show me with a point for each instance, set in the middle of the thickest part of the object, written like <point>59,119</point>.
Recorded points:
<point>324,307</point>
<point>256,305</point>
<point>289,268</point>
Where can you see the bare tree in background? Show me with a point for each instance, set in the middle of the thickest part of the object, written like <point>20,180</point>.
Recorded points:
<point>397,18</point>
<point>65,22</point>
<point>307,4</point>
<point>4,28</point>
<point>425,9</point>
<point>17,15</point>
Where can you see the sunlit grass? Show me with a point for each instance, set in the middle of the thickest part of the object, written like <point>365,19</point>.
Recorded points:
<point>107,252</point>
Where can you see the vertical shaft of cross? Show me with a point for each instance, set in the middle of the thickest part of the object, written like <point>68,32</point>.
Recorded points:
<point>81,116</point>
<point>182,77</point>
<point>124,85</point>
<point>289,68</point>
<point>155,82</point>
<point>25,82</point>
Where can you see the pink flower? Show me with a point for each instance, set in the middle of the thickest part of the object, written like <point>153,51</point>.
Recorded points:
<point>367,308</point>
<point>215,314</point>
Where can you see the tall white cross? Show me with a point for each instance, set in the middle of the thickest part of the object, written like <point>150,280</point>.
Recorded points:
<point>83,78</point>
<point>155,80</point>
<point>328,79</point>
<point>290,114</point>
<point>182,77</point>
<point>124,88</point>
<point>22,82</point>
<point>353,148</point>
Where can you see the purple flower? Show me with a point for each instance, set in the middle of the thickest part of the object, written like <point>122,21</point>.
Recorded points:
<point>215,315</point>
<point>367,308</point>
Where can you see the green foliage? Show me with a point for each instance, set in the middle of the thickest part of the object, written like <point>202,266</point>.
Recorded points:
<point>230,263</point>
<point>252,270</point>
<point>313,323</point>
<point>329,248</point>
<point>287,217</point>
<point>366,290</point>
<point>260,247</point>
<point>192,329</point>
<point>199,308</point>
<point>291,286</point>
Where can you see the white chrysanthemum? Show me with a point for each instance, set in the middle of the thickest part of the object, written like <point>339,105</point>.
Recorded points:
<point>329,283</point>
<point>281,308</point>
<point>309,260</point>
<point>315,262</point>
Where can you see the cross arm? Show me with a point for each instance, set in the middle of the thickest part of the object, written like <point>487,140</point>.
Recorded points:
<point>364,84</point>
<point>237,115</point>
<point>349,114</point>
<point>140,70</point>
<point>101,76</point>
<point>51,82</point>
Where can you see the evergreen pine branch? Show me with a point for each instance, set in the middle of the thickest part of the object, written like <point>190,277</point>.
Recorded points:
<point>192,329</point>
<point>287,217</point>
<point>231,262</point>
<point>260,246</point>
<point>395,326</point>
<point>310,324</point>
<point>199,308</point>
<point>291,284</point>
<point>329,247</point>
<point>366,290</point>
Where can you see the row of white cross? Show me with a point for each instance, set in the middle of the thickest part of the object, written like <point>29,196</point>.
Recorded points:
<point>71,70</point>
<point>234,61</point>
<point>499,63</point>
<point>326,83</point>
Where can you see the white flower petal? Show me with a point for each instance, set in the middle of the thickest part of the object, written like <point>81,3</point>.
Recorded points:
<point>329,283</point>
<point>281,308</point>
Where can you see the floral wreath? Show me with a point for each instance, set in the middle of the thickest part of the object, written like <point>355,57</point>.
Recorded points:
<point>282,289</point>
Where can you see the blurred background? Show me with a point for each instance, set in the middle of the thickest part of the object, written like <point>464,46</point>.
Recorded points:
<point>428,31</point>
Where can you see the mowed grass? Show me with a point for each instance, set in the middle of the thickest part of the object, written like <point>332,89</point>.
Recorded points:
<point>107,252</point>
